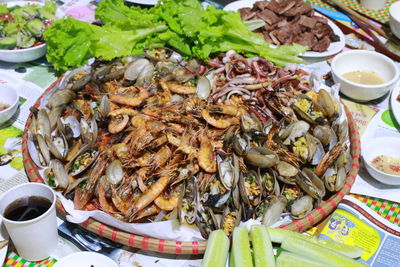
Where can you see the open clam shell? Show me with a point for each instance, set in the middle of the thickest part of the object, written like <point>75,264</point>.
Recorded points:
<point>82,160</point>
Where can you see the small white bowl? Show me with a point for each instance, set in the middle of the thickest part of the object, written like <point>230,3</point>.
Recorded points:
<point>364,60</point>
<point>85,259</point>
<point>377,147</point>
<point>10,97</point>
<point>394,22</point>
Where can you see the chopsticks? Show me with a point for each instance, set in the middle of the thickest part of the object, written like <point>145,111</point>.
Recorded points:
<point>357,17</point>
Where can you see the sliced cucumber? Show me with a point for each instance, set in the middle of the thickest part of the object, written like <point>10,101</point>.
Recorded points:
<point>287,259</point>
<point>279,235</point>
<point>241,248</point>
<point>262,247</point>
<point>314,251</point>
<point>8,42</point>
<point>35,27</point>
<point>217,250</point>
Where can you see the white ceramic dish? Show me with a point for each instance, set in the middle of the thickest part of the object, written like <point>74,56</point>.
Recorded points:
<point>378,147</point>
<point>394,22</point>
<point>85,259</point>
<point>8,96</point>
<point>364,60</point>
<point>334,47</point>
<point>394,104</point>
<point>27,54</point>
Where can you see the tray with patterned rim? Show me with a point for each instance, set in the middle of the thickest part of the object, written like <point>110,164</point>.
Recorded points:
<point>196,247</point>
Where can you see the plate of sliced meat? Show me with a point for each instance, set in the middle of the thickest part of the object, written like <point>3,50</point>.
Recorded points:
<point>292,21</point>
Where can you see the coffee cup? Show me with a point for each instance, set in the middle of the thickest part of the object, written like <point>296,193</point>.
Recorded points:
<point>29,216</point>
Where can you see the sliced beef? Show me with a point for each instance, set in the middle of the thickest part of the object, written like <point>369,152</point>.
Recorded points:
<point>307,22</point>
<point>268,16</point>
<point>273,5</point>
<point>322,45</point>
<point>285,34</point>
<point>285,6</point>
<point>260,5</point>
<point>244,12</point>
<point>289,21</point>
<point>301,9</point>
<point>321,31</point>
<point>307,39</point>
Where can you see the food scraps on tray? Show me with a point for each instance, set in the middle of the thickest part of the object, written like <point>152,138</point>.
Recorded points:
<point>291,21</point>
<point>183,25</point>
<point>23,26</point>
<point>211,143</point>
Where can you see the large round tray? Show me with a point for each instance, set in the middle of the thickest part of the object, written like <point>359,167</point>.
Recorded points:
<point>196,247</point>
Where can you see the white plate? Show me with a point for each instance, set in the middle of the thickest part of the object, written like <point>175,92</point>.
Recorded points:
<point>143,2</point>
<point>334,48</point>
<point>394,104</point>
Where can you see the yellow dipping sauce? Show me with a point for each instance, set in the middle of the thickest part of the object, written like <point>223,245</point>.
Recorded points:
<point>363,77</point>
<point>387,164</point>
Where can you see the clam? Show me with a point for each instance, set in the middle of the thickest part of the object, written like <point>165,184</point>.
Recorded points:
<point>114,172</point>
<point>328,104</point>
<point>104,108</point>
<point>187,205</point>
<point>309,110</point>
<point>157,53</point>
<point>116,72</point>
<point>274,209</point>
<point>286,169</point>
<point>43,150</point>
<point>43,123</point>
<point>135,68</point>
<point>60,98</point>
<point>261,157</point>
<point>146,75</point>
<point>334,179</point>
<point>82,160</point>
<point>228,174</point>
<point>76,79</point>
<point>231,219</point>
<point>239,145</point>
<point>250,123</point>
<point>88,133</point>
<point>54,115</point>
<point>325,134</point>
<point>269,182</point>
<point>58,146</point>
<point>311,183</point>
<point>203,87</point>
<point>56,175</point>
<point>293,131</point>
<point>301,207</point>
<point>250,188</point>
<point>207,221</point>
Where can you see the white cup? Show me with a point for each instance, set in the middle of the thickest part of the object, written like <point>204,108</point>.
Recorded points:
<point>373,4</point>
<point>37,238</point>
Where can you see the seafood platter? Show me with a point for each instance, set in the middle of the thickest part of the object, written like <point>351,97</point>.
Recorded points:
<point>209,145</point>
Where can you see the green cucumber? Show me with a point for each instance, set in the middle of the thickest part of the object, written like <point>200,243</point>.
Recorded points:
<point>262,247</point>
<point>279,235</point>
<point>241,248</point>
<point>217,250</point>
<point>8,42</point>
<point>314,251</point>
<point>287,259</point>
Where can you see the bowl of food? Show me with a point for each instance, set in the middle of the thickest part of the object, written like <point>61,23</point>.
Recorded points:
<point>21,29</point>
<point>394,22</point>
<point>364,75</point>
<point>382,159</point>
<point>86,259</point>
<point>8,103</point>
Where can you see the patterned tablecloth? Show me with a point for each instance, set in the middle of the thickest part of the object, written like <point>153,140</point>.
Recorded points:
<point>381,15</point>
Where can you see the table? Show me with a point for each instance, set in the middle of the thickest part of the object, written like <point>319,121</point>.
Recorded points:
<point>38,75</point>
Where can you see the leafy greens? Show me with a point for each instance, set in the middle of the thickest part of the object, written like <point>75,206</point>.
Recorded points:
<point>181,24</point>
